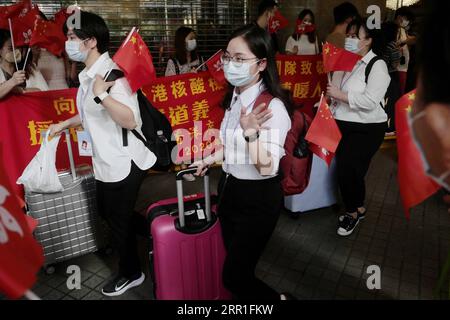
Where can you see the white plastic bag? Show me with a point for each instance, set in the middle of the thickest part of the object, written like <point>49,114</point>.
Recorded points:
<point>41,175</point>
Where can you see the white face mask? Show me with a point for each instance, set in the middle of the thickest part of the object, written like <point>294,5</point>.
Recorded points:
<point>352,45</point>
<point>239,76</point>
<point>9,57</point>
<point>74,52</point>
<point>441,179</point>
<point>191,45</point>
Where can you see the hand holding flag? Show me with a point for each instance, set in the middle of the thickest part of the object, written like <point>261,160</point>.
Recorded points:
<point>134,58</point>
<point>324,135</point>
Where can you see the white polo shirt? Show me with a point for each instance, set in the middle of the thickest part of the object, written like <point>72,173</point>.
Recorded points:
<point>364,99</point>
<point>237,160</point>
<point>111,160</point>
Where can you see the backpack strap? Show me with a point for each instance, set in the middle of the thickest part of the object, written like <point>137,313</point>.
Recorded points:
<point>370,66</point>
<point>264,97</point>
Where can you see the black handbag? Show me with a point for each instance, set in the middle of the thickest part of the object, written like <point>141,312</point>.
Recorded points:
<point>301,150</point>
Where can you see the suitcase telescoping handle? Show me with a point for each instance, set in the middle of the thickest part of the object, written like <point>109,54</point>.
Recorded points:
<point>69,150</point>
<point>180,195</point>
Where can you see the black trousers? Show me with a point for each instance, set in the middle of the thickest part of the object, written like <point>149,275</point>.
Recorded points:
<point>116,203</point>
<point>360,142</point>
<point>248,212</point>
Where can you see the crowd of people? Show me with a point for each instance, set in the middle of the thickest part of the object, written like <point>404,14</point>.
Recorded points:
<point>251,195</point>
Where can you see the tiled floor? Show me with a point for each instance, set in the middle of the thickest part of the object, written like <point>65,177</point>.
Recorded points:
<point>307,258</point>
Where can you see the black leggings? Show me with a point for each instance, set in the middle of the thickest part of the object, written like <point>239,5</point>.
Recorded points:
<point>360,142</point>
<point>116,202</point>
<point>248,212</point>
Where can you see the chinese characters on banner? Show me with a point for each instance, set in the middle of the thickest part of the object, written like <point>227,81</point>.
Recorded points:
<point>23,118</point>
<point>191,103</point>
<point>305,77</point>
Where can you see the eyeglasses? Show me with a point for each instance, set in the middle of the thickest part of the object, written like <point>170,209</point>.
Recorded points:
<point>238,61</point>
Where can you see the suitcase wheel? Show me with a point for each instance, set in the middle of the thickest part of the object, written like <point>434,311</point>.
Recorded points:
<point>49,270</point>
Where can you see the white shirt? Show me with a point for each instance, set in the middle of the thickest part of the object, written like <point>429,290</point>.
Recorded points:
<point>34,81</point>
<point>111,160</point>
<point>364,99</point>
<point>305,47</point>
<point>237,158</point>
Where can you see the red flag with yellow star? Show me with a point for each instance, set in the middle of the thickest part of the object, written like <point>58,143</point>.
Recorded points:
<point>49,35</point>
<point>324,135</point>
<point>337,59</point>
<point>134,58</point>
<point>415,186</point>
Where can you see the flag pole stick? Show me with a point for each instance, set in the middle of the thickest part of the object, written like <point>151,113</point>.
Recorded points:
<point>12,43</point>
<point>30,295</point>
<point>26,59</point>
<point>198,68</point>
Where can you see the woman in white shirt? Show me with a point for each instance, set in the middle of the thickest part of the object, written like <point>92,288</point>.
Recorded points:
<point>17,81</point>
<point>304,40</point>
<point>119,170</point>
<point>357,105</point>
<point>253,138</point>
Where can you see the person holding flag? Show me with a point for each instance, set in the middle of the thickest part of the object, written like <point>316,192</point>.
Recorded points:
<point>357,104</point>
<point>104,110</point>
<point>304,39</point>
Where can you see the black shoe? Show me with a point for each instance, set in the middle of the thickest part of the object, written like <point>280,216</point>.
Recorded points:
<point>288,296</point>
<point>119,285</point>
<point>361,215</point>
<point>347,225</point>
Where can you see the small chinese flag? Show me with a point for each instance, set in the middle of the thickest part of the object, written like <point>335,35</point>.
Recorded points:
<point>415,186</point>
<point>134,58</point>
<point>7,12</point>
<point>324,135</point>
<point>49,35</point>
<point>337,59</point>
<point>215,67</point>
<point>277,22</point>
<point>21,255</point>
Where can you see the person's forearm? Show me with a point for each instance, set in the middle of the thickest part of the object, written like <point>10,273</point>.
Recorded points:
<point>262,158</point>
<point>120,113</point>
<point>342,96</point>
<point>5,88</point>
<point>73,122</point>
<point>216,157</point>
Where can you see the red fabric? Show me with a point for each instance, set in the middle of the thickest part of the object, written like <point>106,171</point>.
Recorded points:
<point>301,29</point>
<point>403,78</point>
<point>296,172</point>
<point>215,67</point>
<point>23,24</point>
<point>21,255</point>
<point>134,58</point>
<point>415,185</point>
<point>337,59</point>
<point>324,134</point>
<point>49,35</point>
<point>22,118</point>
<point>7,12</point>
<point>277,22</point>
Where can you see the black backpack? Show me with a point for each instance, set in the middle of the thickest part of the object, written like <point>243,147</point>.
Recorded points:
<point>156,129</point>
<point>369,70</point>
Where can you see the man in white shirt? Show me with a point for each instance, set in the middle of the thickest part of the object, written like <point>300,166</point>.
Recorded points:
<point>119,170</point>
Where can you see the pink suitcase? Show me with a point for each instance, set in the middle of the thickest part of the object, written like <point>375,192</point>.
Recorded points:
<point>188,250</point>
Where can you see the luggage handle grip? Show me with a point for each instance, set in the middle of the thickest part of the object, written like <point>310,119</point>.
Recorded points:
<point>69,150</point>
<point>180,195</point>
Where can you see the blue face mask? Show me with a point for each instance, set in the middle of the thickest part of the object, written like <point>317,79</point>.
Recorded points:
<point>239,76</point>
<point>74,52</point>
<point>439,179</point>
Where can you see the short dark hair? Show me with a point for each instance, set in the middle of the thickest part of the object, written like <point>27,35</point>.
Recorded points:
<point>92,26</point>
<point>377,36</point>
<point>5,35</point>
<point>404,12</point>
<point>434,52</point>
<point>390,31</point>
<point>265,5</point>
<point>344,11</point>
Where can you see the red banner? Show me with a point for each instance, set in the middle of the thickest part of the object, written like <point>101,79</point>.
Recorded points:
<point>191,103</point>
<point>305,77</point>
<point>21,255</point>
<point>23,118</point>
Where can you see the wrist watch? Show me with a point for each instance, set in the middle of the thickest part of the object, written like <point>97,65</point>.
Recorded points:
<point>251,135</point>
<point>98,99</point>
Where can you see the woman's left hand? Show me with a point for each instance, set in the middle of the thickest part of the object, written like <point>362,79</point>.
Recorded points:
<point>255,119</point>
<point>101,85</point>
